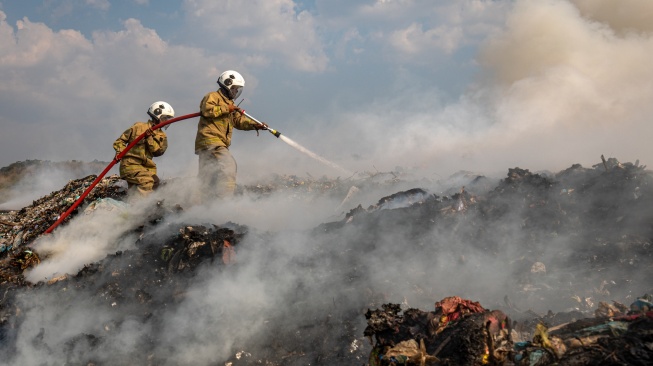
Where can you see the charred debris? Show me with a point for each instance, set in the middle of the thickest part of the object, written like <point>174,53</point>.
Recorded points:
<point>578,240</point>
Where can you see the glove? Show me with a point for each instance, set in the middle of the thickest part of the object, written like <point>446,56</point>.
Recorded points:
<point>234,108</point>
<point>262,126</point>
<point>116,156</point>
<point>149,132</point>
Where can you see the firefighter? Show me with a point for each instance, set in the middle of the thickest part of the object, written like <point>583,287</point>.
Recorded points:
<point>219,115</point>
<point>137,166</point>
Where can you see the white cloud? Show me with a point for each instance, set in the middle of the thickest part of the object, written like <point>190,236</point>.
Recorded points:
<point>388,7</point>
<point>423,32</point>
<point>349,40</point>
<point>252,28</point>
<point>75,95</point>
<point>100,4</point>
<point>135,38</point>
<point>414,40</point>
<point>35,43</point>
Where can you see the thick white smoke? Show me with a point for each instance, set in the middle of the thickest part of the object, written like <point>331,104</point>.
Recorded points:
<point>566,86</point>
<point>560,82</point>
<point>564,82</point>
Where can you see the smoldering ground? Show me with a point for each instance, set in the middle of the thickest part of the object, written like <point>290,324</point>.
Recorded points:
<point>544,102</point>
<point>301,291</point>
<point>100,230</point>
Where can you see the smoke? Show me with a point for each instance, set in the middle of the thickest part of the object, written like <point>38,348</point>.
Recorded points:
<point>234,307</point>
<point>43,177</point>
<point>569,85</point>
<point>558,83</point>
<point>562,83</point>
<point>287,277</point>
<point>623,17</point>
<point>104,227</point>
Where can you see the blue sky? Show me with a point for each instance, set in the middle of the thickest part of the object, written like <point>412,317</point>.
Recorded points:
<point>431,86</point>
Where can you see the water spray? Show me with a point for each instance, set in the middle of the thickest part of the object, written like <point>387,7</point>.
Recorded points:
<point>299,147</point>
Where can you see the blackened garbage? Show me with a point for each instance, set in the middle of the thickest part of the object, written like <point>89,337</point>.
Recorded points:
<point>458,332</point>
<point>483,337</point>
<point>579,239</point>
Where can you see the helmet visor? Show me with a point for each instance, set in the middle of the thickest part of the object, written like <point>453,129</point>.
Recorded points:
<point>235,91</point>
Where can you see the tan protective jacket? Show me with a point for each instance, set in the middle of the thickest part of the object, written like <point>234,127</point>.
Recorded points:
<point>216,123</point>
<point>141,154</point>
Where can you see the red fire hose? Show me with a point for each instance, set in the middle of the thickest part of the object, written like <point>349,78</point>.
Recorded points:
<point>115,160</point>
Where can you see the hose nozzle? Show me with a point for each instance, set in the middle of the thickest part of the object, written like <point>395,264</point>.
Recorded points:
<point>272,130</point>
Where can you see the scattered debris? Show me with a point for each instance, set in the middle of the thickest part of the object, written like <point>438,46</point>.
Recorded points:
<point>32,221</point>
<point>581,238</point>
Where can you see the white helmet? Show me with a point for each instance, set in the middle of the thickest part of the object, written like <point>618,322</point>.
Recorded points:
<point>232,83</point>
<point>161,109</point>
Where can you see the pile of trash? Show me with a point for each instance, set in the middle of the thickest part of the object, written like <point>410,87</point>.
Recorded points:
<point>349,292</point>
<point>19,228</point>
<point>458,332</point>
<point>136,284</point>
<point>462,332</point>
<point>25,225</point>
<point>24,175</point>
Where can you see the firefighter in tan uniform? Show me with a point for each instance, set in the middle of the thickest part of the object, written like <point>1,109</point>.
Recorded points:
<point>219,117</point>
<point>137,166</point>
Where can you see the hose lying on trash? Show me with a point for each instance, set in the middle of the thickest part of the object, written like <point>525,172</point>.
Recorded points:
<point>115,160</point>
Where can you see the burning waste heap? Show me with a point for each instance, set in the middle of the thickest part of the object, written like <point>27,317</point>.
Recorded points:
<point>533,269</point>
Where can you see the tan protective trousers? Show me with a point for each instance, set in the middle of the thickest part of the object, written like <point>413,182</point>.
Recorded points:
<point>139,179</point>
<point>217,173</point>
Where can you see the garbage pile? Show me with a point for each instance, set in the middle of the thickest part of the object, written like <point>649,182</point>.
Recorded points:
<point>136,284</point>
<point>24,176</point>
<point>19,228</point>
<point>548,260</point>
<point>462,332</point>
<point>25,225</point>
<point>616,340</point>
<point>458,332</point>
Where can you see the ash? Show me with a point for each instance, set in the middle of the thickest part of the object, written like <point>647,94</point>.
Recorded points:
<point>531,269</point>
